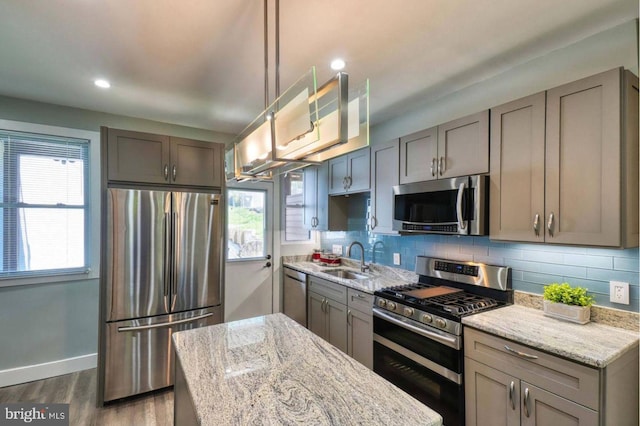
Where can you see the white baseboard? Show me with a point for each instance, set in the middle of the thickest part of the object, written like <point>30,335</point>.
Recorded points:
<point>29,373</point>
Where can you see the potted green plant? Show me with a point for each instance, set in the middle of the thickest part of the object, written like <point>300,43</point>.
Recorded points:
<point>568,303</point>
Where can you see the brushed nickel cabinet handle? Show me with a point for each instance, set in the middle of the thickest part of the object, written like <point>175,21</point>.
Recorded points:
<point>441,165</point>
<point>536,225</point>
<point>349,317</point>
<point>166,171</point>
<point>550,224</point>
<point>512,390</point>
<point>525,402</point>
<point>520,354</point>
<point>434,166</point>
<point>174,172</point>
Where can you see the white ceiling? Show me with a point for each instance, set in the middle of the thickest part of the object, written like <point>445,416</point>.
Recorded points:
<point>200,62</point>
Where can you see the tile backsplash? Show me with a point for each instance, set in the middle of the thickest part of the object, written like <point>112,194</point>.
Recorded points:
<point>533,265</point>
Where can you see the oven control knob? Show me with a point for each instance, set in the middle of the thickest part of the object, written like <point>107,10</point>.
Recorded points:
<point>441,323</point>
<point>382,303</point>
<point>427,318</point>
<point>391,306</point>
<point>408,312</point>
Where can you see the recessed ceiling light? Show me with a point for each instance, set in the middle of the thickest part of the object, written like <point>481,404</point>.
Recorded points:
<point>337,64</point>
<point>103,84</point>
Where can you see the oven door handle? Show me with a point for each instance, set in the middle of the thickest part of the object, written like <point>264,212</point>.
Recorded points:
<point>452,342</point>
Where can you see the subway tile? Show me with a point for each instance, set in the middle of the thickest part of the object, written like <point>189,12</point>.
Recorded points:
<point>543,256</point>
<point>474,250</point>
<point>631,253</point>
<point>608,275</point>
<point>548,268</point>
<point>545,279</point>
<point>489,260</point>
<point>594,286</point>
<point>505,252</point>
<point>516,275</point>
<point>602,300</point>
<point>527,286</point>
<point>626,264</point>
<point>460,257</point>
<point>604,262</point>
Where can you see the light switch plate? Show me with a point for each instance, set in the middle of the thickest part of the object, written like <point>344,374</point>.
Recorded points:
<point>336,249</point>
<point>619,292</point>
<point>396,258</point>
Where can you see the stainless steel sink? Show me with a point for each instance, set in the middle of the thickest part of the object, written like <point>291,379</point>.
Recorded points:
<point>349,275</point>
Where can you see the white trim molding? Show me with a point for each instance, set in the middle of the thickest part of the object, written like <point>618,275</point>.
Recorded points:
<point>29,373</point>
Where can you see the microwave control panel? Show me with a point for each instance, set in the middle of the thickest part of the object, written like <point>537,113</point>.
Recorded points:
<point>430,228</point>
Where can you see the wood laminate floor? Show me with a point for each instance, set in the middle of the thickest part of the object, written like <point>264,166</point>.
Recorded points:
<point>79,390</point>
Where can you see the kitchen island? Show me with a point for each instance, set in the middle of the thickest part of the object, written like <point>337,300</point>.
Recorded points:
<point>271,370</point>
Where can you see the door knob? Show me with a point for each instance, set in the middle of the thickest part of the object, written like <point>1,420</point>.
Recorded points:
<point>268,257</point>
<point>267,265</point>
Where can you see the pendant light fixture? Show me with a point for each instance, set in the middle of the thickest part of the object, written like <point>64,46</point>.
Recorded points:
<point>304,125</point>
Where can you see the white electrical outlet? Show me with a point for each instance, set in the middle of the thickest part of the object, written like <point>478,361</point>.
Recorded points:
<point>396,258</point>
<point>619,292</point>
<point>336,249</point>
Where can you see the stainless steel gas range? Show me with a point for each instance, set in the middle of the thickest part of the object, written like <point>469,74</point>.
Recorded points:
<point>418,338</point>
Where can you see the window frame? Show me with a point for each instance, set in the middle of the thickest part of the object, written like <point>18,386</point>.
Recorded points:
<point>265,222</point>
<point>92,199</point>
<point>283,215</point>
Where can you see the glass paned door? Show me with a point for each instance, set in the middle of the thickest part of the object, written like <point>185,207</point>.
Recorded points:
<point>246,229</point>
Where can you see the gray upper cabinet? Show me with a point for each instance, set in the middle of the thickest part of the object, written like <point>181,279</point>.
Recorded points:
<point>316,197</point>
<point>419,156</point>
<point>457,148</point>
<point>463,146</point>
<point>384,175</point>
<point>349,173</point>
<point>157,159</point>
<point>517,170</point>
<point>573,180</point>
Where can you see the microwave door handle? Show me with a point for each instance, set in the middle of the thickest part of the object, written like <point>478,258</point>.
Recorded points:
<point>461,222</point>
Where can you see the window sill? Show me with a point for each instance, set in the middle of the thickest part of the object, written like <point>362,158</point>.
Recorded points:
<point>48,279</point>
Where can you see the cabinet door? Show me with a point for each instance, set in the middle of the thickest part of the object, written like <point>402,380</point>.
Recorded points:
<point>540,407</point>
<point>491,396</point>
<point>338,175</point>
<point>322,198</point>
<point>337,324</point>
<point>137,157</point>
<point>310,195</point>
<point>316,318</point>
<point>384,175</point>
<point>360,337</point>
<point>517,170</point>
<point>583,173</point>
<point>419,156</point>
<point>463,146</point>
<point>196,163</point>
<point>359,171</point>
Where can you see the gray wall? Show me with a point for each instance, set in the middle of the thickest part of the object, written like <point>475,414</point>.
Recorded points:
<point>55,321</point>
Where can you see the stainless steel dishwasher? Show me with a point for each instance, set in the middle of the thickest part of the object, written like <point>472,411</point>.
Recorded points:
<point>295,295</point>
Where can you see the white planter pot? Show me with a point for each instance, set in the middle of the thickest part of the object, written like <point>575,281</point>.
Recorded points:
<point>578,314</point>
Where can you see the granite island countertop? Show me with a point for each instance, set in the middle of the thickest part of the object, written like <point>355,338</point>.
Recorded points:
<point>380,276</point>
<point>593,344</point>
<point>271,370</point>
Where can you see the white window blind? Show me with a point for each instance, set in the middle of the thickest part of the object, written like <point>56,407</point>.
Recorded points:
<point>44,211</point>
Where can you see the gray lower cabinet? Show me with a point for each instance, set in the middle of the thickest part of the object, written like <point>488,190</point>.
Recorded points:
<point>564,164</point>
<point>327,315</point>
<point>507,383</point>
<point>158,159</point>
<point>360,327</point>
<point>343,317</point>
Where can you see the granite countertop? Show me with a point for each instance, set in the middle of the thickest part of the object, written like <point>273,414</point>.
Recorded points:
<point>380,276</point>
<point>592,344</point>
<point>271,370</point>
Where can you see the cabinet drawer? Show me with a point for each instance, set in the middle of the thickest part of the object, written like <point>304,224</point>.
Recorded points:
<point>360,300</point>
<point>567,379</point>
<point>328,289</point>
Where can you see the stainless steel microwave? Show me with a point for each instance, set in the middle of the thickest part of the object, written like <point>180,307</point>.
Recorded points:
<point>455,206</point>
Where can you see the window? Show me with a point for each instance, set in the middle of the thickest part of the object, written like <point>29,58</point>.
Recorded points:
<point>293,190</point>
<point>44,204</point>
<point>246,218</point>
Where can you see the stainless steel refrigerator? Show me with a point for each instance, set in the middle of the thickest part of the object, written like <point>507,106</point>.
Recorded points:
<point>163,274</point>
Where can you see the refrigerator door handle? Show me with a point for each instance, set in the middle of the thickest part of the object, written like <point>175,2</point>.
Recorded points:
<point>167,258</point>
<point>163,324</point>
<point>174,278</point>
